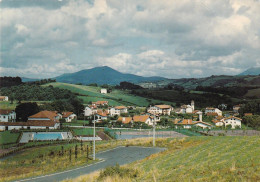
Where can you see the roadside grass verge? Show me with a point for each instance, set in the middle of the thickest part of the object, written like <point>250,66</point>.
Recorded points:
<point>196,159</point>
<point>49,159</point>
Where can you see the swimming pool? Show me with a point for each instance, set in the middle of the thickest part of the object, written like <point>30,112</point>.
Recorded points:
<point>47,136</point>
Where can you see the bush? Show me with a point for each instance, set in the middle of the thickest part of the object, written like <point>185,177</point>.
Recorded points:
<point>117,170</point>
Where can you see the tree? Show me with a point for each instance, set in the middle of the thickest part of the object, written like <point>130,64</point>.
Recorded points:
<point>24,110</point>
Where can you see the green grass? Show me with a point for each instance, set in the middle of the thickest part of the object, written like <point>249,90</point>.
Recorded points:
<point>195,159</point>
<point>6,137</point>
<point>116,97</point>
<point>76,123</point>
<point>210,159</point>
<point>83,131</point>
<point>253,93</point>
<point>7,105</point>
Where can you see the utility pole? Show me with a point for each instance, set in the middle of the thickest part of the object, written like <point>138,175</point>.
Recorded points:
<point>94,140</point>
<point>154,133</point>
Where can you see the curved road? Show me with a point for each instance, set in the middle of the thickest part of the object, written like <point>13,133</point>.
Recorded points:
<point>121,155</point>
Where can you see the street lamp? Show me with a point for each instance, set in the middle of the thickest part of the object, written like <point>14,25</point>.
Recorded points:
<point>94,140</point>
<point>154,132</point>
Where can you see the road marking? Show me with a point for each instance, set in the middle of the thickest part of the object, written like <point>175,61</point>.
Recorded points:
<point>60,172</point>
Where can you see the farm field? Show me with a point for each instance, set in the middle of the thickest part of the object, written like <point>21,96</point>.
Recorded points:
<point>253,93</point>
<point>195,159</point>
<point>117,97</point>
<point>7,105</point>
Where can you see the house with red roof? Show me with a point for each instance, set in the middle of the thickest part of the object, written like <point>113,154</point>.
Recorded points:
<point>117,110</point>
<point>3,98</point>
<point>188,123</point>
<point>160,109</point>
<point>69,116</point>
<point>40,120</point>
<point>100,103</point>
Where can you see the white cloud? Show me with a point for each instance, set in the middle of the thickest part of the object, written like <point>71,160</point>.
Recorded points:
<point>169,38</point>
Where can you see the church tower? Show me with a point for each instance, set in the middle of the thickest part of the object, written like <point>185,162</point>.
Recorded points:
<point>193,105</point>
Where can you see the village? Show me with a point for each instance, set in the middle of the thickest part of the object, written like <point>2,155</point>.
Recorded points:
<point>187,116</point>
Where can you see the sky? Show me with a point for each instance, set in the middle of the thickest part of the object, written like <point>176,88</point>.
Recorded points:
<point>169,38</point>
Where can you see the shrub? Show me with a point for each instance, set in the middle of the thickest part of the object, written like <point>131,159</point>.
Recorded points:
<point>117,170</point>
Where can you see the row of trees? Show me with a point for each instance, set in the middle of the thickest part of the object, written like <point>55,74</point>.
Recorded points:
<point>36,93</point>
<point>10,81</point>
<point>24,110</point>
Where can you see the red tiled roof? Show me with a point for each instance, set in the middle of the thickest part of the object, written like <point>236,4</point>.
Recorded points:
<point>45,114</point>
<point>100,102</point>
<point>5,111</point>
<point>183,122</point>
<point>140,118</point>
<point>125,120</point>
<point>212,114</point>
<point>102,113</point>
<point>66,114</point>
<point>163,106</point>
<point>233,117</point>
<point>120,107</point>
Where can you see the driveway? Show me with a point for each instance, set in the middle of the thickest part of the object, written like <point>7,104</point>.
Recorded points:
<point>121,155</point>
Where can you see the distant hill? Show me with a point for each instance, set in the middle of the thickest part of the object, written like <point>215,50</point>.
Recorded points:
<point>103,75</point>
<point>24,79</point>
<point>215,81</point>
<point>251,71</point>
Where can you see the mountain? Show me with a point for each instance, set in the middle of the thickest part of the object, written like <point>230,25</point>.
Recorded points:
<point>251,71</point>
<point>103,75</point>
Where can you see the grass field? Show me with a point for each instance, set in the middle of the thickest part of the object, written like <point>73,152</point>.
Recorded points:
<point>253,93</point>
<point>197,159</point>
<point>7,105</point>
<point>116,97</point>
<point>6,137</point>
<point>83,131</point>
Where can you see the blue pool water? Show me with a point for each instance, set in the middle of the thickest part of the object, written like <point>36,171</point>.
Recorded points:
<point>47,136</point>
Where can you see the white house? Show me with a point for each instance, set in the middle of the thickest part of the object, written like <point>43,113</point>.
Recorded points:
<point>3,98</point>
<point>100,103</point>
<point>32,124</point>
<point>101,115</point>
<point>233,121</point>
<point>147,119</point>
<point>90,110</point>
<point>202,124</point>
<point>188,123</point>
<point>7,115</point>
<point>117,110</point>
<point>213,111</point>
<point>103,91</point>
<point>188,109</point>
<point>160,109</point>
<point>69,116</point>
<point>218,121</point>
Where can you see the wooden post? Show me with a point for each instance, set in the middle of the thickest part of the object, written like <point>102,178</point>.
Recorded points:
<point>70,155</point>
<point>76,151</point>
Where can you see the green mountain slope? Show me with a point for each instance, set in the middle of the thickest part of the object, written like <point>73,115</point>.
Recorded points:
<point>116,97</point>
<point>103,75</point>
<point>251,71</point>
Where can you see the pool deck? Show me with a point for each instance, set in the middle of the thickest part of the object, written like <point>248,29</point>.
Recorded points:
<point>28,136</point>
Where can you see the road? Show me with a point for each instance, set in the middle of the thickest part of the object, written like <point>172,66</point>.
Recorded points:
<point>121,155</point>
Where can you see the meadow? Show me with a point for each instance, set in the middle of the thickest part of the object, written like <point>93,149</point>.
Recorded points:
<point>116,97</point>
<point>193,159</point>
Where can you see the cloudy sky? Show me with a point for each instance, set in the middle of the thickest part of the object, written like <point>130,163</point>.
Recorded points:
<point>170,38</point>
